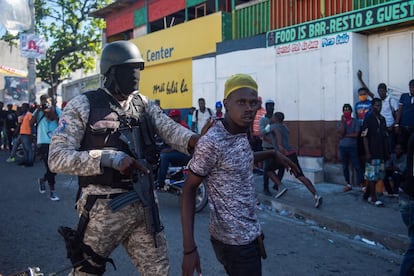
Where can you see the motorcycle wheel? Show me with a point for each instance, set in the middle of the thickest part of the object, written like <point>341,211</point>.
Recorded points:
<point>201,197</point>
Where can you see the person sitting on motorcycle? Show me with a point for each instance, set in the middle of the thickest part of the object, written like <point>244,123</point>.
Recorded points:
<point>169,156</point>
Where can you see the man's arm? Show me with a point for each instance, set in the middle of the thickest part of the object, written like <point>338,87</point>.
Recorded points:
<point>364,135</point>
<point>33,120</point>
<point>359,74</point>
<point>279,157</point>
<point>64,154</point>
<point>191,259</point>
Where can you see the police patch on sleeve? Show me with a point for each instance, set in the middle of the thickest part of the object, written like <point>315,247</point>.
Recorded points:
<point>62,126</point>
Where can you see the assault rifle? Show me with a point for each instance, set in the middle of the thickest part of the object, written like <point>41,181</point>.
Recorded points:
<point>143,183</point>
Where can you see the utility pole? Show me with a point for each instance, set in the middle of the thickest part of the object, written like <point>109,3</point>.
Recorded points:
<point>31,66</point>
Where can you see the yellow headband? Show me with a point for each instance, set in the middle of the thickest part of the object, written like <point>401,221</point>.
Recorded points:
<point>238,81</point>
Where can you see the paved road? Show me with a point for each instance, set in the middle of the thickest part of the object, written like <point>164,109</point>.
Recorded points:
<point>28,235</point>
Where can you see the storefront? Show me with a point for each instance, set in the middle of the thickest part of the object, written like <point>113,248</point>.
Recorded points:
<point>168,59</point>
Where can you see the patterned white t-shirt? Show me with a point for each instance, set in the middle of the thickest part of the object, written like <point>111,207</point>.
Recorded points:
<point>226,161</point>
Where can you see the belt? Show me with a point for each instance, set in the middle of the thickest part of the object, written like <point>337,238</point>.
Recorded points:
<point>107,196</point>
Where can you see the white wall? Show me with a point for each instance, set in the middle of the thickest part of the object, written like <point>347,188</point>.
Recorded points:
<point>391,60</point>
<point>313,84</point>
<point>204,81</point>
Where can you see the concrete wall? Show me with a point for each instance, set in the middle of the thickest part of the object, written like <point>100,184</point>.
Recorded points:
<point>309,84</point>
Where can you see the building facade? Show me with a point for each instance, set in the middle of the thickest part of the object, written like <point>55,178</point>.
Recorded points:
<point>304,54</point>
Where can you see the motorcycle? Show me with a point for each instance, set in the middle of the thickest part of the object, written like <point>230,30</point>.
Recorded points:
<point>174,182</point>
<point>30,271</point>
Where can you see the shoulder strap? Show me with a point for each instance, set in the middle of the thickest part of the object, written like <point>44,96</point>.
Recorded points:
<point>196,115</point>
<point>41,117</point>
<point>209,111</point>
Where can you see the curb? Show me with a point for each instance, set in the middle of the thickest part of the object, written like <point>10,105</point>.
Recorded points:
<point>394,242</point>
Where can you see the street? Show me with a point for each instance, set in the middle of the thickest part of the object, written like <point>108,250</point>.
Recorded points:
<point>29,237</point>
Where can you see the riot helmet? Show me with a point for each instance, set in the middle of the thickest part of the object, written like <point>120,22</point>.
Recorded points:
<point>121,62</point>
<point>120,52</point>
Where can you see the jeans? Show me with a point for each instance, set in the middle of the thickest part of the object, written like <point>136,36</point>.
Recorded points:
<point>16,143</point>
<point>27,148</point>
<point>350,154</point>
<point>175,158</point>
<point>406,204</point>
<point>44,155</point>
<point>239,260</point>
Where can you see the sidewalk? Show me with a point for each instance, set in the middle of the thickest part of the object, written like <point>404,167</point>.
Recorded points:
<point>345,213</point>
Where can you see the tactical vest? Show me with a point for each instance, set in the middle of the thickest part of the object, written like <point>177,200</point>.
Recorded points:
<point>102,132</point>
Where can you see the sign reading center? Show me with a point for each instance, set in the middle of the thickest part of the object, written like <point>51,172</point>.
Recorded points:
<point>368,18</point>
<point>159,54</point>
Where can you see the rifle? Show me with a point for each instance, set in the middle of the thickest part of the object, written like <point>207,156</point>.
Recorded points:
<point>143,184</point>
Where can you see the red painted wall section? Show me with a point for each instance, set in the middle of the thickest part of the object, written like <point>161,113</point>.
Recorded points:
<point>159,9</point>
<point>286,13</point>
<point>122,20</point>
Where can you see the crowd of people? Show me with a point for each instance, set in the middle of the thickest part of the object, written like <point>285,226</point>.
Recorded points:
<point>28,130</point>
<point>102,135</point>
<point>374,142</point>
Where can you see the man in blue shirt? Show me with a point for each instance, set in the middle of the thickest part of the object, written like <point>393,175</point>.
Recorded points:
<point>404,122</point>
<point>46,118</point>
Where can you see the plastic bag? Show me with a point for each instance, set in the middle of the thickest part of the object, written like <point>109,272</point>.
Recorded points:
<point>15,15</point>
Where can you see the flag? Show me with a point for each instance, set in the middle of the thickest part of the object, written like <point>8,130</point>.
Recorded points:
<point>32,46</point>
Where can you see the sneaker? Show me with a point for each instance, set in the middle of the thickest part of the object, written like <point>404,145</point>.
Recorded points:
<point>53,196</point>
<point>282,192</point>
<point>318,201</point>
<point>378,203</point>
<point>42,186</point>
<point>347,188</point>
<point>11,160</point>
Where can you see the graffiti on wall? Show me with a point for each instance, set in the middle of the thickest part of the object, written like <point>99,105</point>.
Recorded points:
<point>170,87</point>
<point>305,46</point>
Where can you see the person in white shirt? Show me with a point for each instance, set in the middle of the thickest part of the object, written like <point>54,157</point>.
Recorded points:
<point>201,116</point>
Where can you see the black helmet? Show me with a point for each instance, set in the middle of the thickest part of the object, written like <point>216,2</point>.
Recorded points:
<point>120,52</point>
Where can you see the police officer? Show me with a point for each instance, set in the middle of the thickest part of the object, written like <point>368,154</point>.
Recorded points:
<point>87,143</point>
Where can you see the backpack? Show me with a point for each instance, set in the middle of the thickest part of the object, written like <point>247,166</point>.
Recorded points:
<point>209,111</point>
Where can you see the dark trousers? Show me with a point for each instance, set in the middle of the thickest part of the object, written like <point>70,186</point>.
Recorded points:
<point>10,136</point>
<point>404,135</point>
<point>239,260</point>
<point>175,158</point>
<point>49,176</point>
<point>265,176</point>
<point>396,179</point>
<point>350,155</point>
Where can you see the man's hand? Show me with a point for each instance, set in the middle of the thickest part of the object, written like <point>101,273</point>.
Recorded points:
<point>129,164</point>
<point>191,263</point>
<point>287,163</point>
<point>359,74</point>
<point>121,161</point>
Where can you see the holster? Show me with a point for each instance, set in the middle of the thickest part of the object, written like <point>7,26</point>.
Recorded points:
<point>80,254</point>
